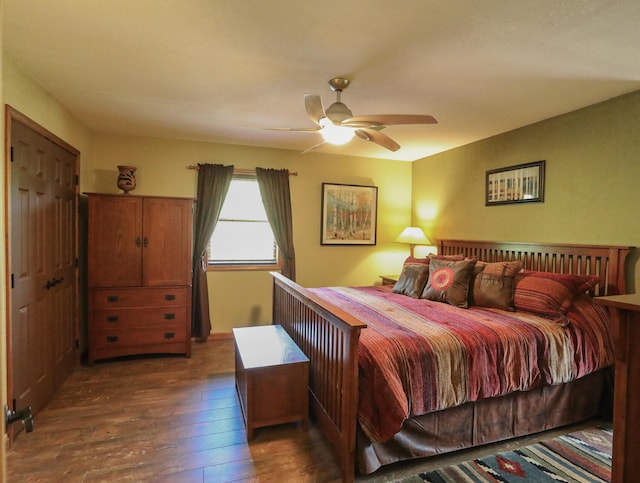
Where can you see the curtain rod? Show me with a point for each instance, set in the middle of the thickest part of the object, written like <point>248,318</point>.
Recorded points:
<point>240,170</point>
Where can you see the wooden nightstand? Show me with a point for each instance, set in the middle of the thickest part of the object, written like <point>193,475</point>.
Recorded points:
<point>272,377</point>
<point>389,279</point>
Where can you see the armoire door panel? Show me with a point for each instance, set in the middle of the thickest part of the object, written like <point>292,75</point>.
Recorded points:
<point>167,241</point>
<point>115,226</point>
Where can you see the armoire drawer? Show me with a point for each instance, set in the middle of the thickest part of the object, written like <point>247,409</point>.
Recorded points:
<point>104,338</point>
<point>140,297</point>
<point>136,317</point>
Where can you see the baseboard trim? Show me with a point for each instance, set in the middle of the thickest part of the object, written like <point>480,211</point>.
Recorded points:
<point>221,336</point>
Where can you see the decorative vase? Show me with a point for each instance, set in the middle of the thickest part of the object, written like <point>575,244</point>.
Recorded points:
<point>127,178</point>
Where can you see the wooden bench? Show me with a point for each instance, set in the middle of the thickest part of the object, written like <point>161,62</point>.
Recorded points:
<point>272,377</point>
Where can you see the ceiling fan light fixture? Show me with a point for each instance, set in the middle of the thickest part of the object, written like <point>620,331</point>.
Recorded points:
<point>338,125</point>
<point>333,134</point>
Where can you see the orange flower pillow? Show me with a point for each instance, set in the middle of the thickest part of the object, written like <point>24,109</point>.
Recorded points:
<point>449,281</point>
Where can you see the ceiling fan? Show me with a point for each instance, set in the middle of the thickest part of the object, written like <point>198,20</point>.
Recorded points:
<point>338,125</point>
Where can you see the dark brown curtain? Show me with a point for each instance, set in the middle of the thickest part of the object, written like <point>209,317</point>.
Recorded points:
<point>276,197</point>
<point>213,184</point>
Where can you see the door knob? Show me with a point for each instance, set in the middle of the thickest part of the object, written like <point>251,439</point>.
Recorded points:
<point>53,282</point>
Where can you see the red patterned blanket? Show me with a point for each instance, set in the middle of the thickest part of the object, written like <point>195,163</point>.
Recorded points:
<point>418,356</point>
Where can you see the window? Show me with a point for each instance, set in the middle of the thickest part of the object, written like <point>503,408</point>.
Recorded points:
<point>243,237</point>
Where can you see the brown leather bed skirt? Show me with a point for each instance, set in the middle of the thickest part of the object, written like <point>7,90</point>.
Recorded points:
<point>490,420</point>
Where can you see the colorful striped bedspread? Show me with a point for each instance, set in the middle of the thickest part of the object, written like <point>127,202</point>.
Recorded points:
<point>418,356</point>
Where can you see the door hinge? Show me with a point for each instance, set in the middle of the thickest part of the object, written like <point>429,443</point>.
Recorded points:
<point>11,154</point>
<point>77,180</point>
<point>12,281</point>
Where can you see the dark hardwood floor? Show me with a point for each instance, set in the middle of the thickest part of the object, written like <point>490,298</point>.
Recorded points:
<point>177,420</point>
<point>162,419</point>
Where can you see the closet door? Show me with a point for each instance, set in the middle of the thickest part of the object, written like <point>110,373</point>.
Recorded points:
<point>63,266</point>
<point>30,302</point>
<point>42,318</point>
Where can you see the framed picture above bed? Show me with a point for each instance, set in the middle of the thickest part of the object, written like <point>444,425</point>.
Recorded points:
<point>349,214</point>
<point>523,183</point>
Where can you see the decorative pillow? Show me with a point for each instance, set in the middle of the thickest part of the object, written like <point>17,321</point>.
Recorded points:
<point>425,261</point>
<point>449,281</point>
<point>412,280</point>
<point>415,261</point>
<point>494,284</point>
<point>549,294</point>
<point>456,258</point>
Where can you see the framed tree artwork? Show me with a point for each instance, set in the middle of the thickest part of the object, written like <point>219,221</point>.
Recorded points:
<point>349,214</point>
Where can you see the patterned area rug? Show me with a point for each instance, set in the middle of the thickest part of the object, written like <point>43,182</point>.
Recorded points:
<point>582,456</point>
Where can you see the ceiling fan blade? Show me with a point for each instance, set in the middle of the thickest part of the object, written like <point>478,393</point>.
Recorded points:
<point>313,147</point>
<point>295,129</point>
<point>374,127</point>
<point>361,124</point>
<point>313,105</point>
<point>378,138</point>
<point>391,119</point>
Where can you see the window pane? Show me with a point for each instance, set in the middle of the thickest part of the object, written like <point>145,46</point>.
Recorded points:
<point>243,201</point>
<point>238,241</point>
<point>243,235</point>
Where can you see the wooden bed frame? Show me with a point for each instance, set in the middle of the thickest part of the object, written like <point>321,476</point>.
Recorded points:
<point>329,336</point>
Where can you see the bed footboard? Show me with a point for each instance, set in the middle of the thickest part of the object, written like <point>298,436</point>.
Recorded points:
<point>329,338</point>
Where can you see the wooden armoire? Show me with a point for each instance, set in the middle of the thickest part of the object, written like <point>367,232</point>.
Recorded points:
<point>139,275</point>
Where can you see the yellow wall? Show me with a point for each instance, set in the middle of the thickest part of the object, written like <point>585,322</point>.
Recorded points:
<point>23,94</point>
<point>591,191</point>
<point>244,298</point>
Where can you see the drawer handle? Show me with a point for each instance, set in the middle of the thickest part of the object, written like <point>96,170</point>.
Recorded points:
<point>169,296</point>
<point>112,318</point>
<point>169,335</point>
<point>112,338</point>
<point>169,316</point>
<point>113,298</point>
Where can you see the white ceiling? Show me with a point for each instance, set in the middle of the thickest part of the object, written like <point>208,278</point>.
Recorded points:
<point>218,70</point>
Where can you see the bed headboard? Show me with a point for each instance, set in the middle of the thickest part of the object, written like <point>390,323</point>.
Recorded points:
<point>606,262</point>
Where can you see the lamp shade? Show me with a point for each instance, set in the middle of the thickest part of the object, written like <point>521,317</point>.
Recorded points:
<point>413,235</point>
